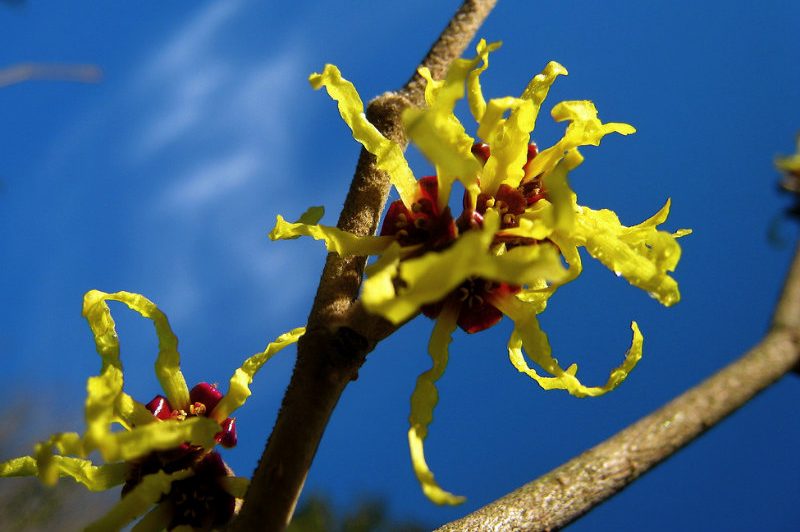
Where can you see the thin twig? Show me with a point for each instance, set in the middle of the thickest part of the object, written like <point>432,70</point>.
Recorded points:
<point>338,336</point>
<point>566,493</point>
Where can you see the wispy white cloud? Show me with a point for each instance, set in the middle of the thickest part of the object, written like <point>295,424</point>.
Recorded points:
<point>210,179</point>
<point>216,133</point>
<point>194,39</point>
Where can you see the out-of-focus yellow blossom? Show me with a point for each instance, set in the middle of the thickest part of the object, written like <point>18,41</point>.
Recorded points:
<point>790,166</point>
<point>505,253</point>
<point>166,447</point>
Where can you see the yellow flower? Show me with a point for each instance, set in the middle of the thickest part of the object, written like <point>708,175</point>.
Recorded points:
<point>503,254</point>
<point>165,450</point>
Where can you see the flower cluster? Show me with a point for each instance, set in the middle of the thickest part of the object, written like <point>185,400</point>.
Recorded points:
<point>505,253</point>
<point>164,457</point>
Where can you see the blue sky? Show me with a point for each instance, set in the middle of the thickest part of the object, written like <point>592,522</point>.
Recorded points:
<point>165,177</point>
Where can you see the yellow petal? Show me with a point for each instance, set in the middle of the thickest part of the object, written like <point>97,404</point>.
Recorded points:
<point>539,86</point>
<point>432,86</point>
<point>159,436</point>
<point>432,276</point>
<point>641,254</point>
<point>509,139</point>
<point>47,462</point>
<point>239,386</point>
<point>584,129</point>
<point>388,155</point>
<point>529,335</point>
<point>157,519</point>
<point>236,486</point>
<point>477,103</point>
<point>167,366</point>
<point>335,239</point>
<point>423,401</point>
<point>439,134</point>
<point>96,478</point>
<point>137,501</point>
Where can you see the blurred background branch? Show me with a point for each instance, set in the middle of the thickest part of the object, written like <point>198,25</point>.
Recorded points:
<point>53,72</point>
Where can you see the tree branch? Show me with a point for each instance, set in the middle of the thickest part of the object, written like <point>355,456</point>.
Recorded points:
<point>339,335</point>
<point>566,493</point>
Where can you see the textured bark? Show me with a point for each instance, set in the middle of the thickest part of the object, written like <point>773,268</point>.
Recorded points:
<point>564,494</point>
<point>339,334</point>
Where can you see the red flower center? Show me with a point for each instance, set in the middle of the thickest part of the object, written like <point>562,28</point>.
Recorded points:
<point>433,230</point>
<point>203,400</point>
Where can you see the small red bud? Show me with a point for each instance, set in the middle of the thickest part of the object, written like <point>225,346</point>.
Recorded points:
<point>206,394</point>
<point>227,437</point>
<point>160,407</point>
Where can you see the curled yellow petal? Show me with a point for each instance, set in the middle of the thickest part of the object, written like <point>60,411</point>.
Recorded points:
<point>432,86</point>
<point>47,462</point>
<point>529,335</point>
<point>641,254</point>
<point>423,401</point>
<point>137,501</point>
<point>584,129</point>
<point>95,478</point>
<point>239,386</point>
<point>336,240</point>
<point>167,365</point>
<point>539,86</point>
<point>389,156</point>
<point>432,276</point>
<point>477,103</point>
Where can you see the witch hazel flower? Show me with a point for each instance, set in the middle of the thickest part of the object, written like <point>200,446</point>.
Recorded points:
<point>165,457</point>
<point>515,241</point>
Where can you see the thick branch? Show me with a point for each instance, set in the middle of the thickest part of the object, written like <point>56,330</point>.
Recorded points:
<point>338,336</point>
<point>566,493</point>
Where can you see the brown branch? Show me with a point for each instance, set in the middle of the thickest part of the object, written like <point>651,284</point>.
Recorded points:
<point>339,335</point>
<point>566,493</point>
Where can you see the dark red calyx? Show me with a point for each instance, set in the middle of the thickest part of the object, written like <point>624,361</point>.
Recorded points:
<point>481,152</point>
<point>423,223</point>
<point>227,436</point>
<point>160,407</point>
<point>207,395</point>
<point>533,151</point>
<point>507,201</point>
<point>169,461</point>
<point>477,312</point>
<point>200,501</point>
<point>473,298</point>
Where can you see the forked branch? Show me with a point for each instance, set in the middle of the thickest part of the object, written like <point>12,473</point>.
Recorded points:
<point>338,336</point>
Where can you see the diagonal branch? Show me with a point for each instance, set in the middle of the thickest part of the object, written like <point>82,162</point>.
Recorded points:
<point>339,336</point>
<point>573,489</point>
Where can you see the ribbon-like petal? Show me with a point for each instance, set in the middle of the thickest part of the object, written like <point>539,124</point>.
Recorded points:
<point>336,240</point>
<point>95,478</point>
<point>424,400</point>
<point>584,129</point>
<point>529,335</point>
<point>388,154</point>
<point>167,365</point>
<point>239,386</point>
<point>137,501</point>
<point>641,254</point>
